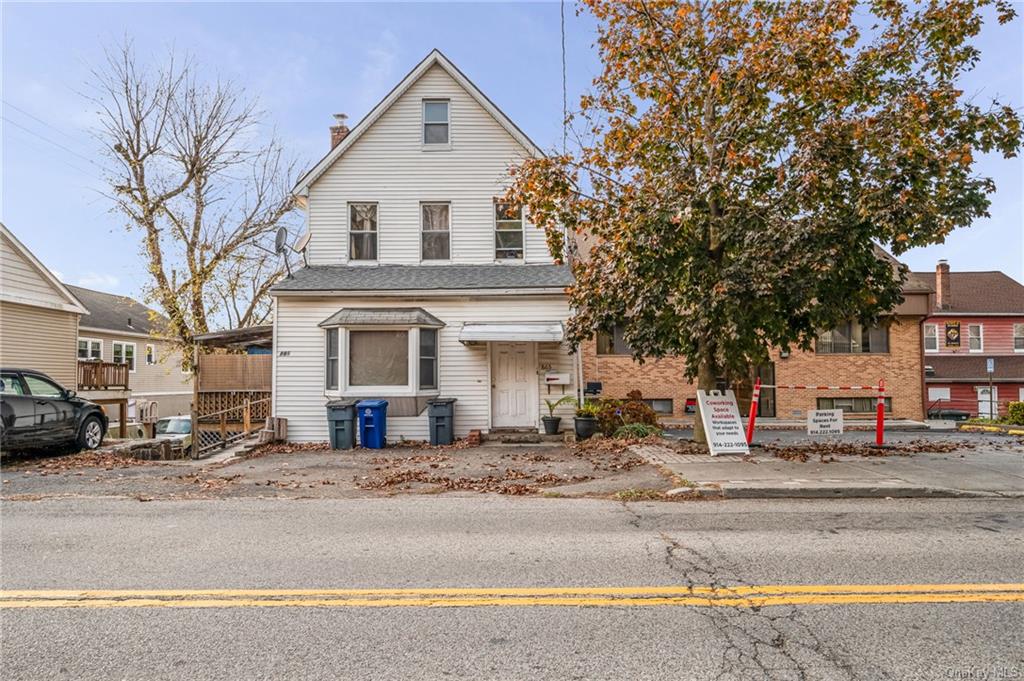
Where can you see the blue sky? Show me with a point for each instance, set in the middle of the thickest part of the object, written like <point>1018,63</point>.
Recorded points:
<point>308,61</point>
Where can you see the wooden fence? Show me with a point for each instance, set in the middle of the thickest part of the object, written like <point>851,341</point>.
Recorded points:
<point>216,430</point>
<point>235,373</point>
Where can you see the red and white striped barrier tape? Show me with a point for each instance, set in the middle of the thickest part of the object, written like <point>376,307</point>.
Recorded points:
<point>821,387</point>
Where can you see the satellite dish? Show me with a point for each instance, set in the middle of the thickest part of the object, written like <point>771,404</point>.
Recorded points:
<point>281,240</point>
<point>281,247</point>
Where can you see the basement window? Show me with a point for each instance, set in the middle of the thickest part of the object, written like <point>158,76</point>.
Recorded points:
<point>854,405</point>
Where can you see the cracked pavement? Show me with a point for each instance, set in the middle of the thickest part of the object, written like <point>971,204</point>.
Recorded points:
<point>487,541</point>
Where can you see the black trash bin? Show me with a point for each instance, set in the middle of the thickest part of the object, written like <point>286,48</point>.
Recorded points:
<point>341,415</point>
<point>441,412</point>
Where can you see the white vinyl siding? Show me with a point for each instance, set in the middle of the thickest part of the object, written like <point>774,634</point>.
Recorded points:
<point>387,165</point>
<point>463,370</point>
<point>163,381</point>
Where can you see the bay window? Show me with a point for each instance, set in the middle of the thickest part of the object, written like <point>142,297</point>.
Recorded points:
<point>378,358</point>
<point>428,359</point>
<point>332,359</point>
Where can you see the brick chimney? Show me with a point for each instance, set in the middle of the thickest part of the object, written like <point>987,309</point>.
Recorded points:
<point>339,129</point>
<point>943,293</point>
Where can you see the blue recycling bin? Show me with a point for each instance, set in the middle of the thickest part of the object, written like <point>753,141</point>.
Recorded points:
<point>373,423</point>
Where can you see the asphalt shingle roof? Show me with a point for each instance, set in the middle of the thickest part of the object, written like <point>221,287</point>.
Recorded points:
<point>980,292</point>
<point>972,367</point>
<point>382,316</point>
<point>112,312</point>
<point>425,278</point>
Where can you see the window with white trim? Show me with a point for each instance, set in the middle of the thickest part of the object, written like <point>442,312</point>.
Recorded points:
<point>333,352</point>
<point>508,231</point>
<point>428,359</point>
<point>975,338</point>
<point>436,122</point>
<point>931,337</point>
<point>150,354</point>
<point>124,353</point>
<point>90,348</point>
<point>936,394</point>
<point>435,222</point>
<point>378,358</point>
<point>1018,337</point>
<point>362,231</point>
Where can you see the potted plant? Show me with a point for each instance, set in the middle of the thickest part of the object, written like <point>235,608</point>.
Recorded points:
<point>586,420</point>
<point>551,421</point>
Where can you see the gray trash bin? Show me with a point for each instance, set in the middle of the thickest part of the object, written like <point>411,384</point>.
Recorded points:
<point>441,412</point>
<point>341,415</point>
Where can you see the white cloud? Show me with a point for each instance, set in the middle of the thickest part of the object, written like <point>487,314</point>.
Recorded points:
<point>100,282</point>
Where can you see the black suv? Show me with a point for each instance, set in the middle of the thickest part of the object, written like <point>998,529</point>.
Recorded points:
<point>36,412</point>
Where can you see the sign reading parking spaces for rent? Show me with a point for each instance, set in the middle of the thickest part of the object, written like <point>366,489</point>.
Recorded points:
<point>825,422</point>
<point>722,424</point>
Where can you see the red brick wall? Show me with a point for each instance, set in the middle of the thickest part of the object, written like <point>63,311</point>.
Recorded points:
<point>902,368</point>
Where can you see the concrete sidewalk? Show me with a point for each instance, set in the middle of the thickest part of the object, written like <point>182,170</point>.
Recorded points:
<point>991,471</point>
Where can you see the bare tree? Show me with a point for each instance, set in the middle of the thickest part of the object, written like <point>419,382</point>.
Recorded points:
<point>195,172</point>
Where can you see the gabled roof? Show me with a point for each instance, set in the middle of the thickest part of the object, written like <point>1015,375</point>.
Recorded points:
<point>72,303</point>
<point>972,368</point>
<point>432,59</point>
<point>111,312</point>
<point>403,278</point>
<point>979,292</point>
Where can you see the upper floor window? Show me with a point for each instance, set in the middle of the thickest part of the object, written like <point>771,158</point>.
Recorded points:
<point>435,219</point>
<point>975,338</point>
<point>851,337</point>
<point>435,121</point>
<point>1018,337</point>
<point>508,231</point>
<point>150,354</point>
<point>612,342</point>
<point>90,348</point>
<point>362,232</point>
<point>931,337</point>
<point>124,353</point>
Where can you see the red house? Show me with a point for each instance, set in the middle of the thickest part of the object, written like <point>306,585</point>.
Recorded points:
<point>976,325</point>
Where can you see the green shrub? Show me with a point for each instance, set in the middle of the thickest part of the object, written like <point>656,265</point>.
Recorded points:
<point>636,431</point>
<point>1015,413</point>
<point>613,414</point>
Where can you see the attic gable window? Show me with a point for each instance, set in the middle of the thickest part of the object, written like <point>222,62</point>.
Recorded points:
<point>435,122</point>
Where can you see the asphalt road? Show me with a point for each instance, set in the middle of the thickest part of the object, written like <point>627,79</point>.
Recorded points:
<point>452,542</point>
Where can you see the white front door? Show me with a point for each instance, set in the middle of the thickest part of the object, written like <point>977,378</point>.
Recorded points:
<point>513,384</point>
<point>988,402</point>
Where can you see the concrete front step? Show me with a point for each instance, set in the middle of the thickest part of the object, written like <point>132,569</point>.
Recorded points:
<point>521,437</point>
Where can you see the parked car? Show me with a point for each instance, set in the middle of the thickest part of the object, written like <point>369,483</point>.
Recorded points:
<point>36,412</point>
<point>177,429</point>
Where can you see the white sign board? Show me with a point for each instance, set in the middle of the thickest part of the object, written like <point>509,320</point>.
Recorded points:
<point>990,365</point>
<point>722,424</point>
<point>825,422</point>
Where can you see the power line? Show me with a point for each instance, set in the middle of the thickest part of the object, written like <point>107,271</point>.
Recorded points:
<point>56,144</point>
<point>39,120</point>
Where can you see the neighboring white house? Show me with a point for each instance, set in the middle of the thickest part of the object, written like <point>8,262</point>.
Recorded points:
<point>419,281</point>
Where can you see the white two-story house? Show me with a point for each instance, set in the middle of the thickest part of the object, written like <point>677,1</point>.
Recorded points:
<point>419,281</point>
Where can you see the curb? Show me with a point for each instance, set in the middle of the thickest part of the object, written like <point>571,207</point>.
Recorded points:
<point>823,492</point>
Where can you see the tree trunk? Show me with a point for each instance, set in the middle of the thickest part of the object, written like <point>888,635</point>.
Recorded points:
<point>707,378</point>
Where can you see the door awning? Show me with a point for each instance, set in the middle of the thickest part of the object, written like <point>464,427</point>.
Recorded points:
<point>546,332</point>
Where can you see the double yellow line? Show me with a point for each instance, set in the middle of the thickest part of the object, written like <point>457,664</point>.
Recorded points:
<point>698,596</point>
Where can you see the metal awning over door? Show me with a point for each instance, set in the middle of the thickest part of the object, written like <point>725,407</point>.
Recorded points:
<point>543,332</point>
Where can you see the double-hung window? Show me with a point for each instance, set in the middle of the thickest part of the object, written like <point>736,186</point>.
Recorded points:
<point>931,338</point>
<point>428,359</point>
<point>508,231</point>
<point>332,359</point>
<point>975,338</point>
<point>150,354</point>
<point>612,342</point>
<point>435,219</point>
<point>436,122</point>
<point>90,348</point>
<point>1018,337</point>
<point>362,231</point>
<point>124,353</point>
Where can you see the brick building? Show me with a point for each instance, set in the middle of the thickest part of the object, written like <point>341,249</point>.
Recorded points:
<point>975,317</point>
<point>849,355</point>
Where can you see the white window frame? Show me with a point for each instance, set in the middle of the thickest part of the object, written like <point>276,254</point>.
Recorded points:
<point>936,393</point>
<point>411,389</point>
<point>981,338</point>
<point>135,356</point>
<point>449,232</point>
<point>1020,394</point>
<point>435,146</point>
<point>349,231</point>
<point>494,234</point>
<point>89,341</point>
<point>1015,336</point>
<point>935,335</point>
<point>328,385</point>
<point>151,352</point>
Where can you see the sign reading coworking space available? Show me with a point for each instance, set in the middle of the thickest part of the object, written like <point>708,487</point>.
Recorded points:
<point>825,422</point>
<point>722,424</point>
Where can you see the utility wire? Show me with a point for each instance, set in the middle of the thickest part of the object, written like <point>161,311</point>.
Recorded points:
<point>50,141</point>
<point>39,120</point>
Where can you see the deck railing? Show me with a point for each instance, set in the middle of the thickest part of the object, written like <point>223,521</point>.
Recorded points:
<point>97,375</point>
